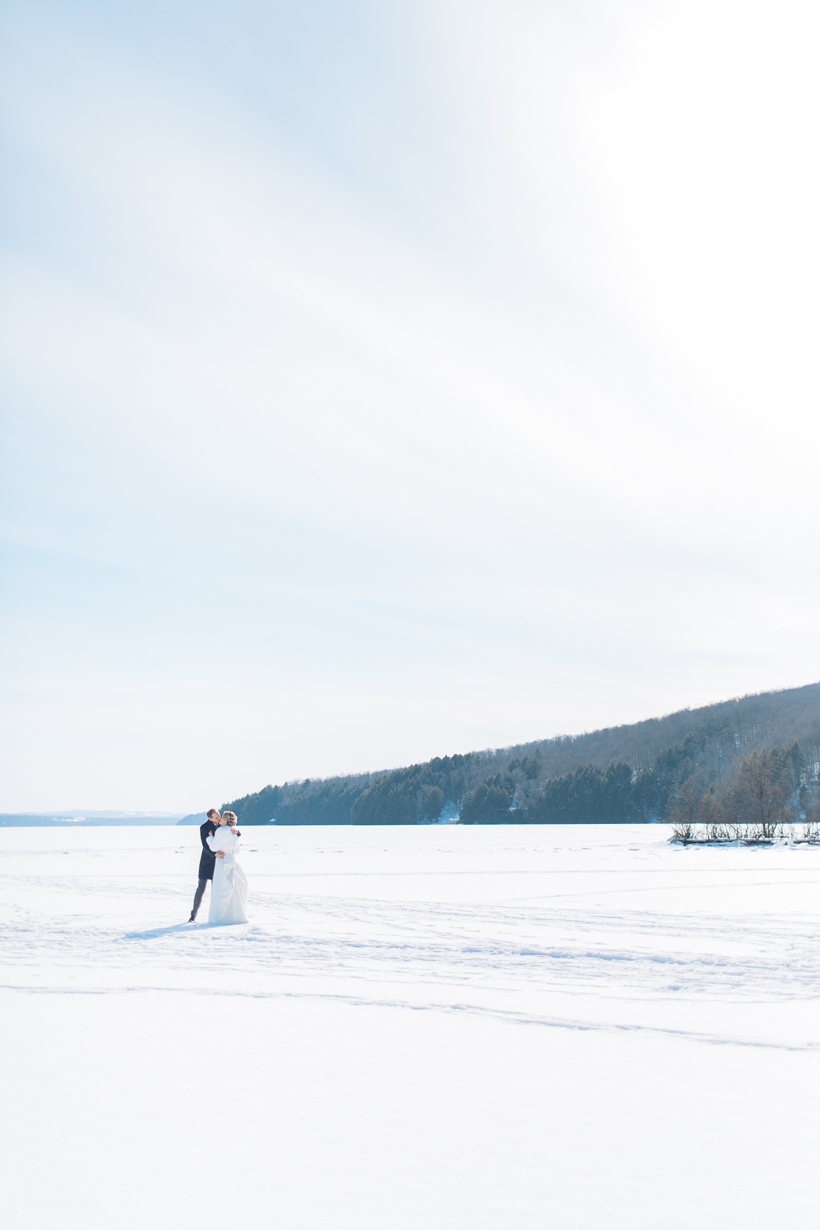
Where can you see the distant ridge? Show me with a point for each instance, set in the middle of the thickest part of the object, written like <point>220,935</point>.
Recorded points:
<point>197,817</point>
<point>619,773</point>
<point>89,819</point>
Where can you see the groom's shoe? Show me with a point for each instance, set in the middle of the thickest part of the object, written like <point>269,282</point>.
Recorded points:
<point>192,918</point>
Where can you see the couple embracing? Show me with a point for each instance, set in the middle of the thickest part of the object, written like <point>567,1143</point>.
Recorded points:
<point>229,887</point>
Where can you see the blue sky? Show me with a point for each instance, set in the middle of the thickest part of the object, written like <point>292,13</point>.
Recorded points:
<point>387,380</point>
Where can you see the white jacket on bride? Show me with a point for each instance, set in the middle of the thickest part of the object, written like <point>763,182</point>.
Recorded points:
<point>229,891</point>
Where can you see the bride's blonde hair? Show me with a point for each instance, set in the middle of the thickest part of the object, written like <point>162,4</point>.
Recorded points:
<point>230,817</point>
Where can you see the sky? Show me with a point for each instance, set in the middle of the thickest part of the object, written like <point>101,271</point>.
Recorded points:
<point>389,380</point>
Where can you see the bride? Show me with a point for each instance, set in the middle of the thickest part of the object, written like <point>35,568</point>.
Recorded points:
<point>229,891</point>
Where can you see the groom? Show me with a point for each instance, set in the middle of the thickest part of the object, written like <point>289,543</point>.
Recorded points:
<point>207,859</point>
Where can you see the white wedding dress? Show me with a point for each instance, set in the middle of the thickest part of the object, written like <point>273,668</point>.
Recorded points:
<point>229,890</point>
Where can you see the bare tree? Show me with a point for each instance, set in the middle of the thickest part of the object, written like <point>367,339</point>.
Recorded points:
<point>761,790</point>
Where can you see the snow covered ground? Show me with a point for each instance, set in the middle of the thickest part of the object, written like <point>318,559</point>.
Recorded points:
<point>442,1027</point>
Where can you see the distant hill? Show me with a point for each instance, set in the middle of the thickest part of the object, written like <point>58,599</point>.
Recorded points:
<point>90,819</point>
<point>622,773</point>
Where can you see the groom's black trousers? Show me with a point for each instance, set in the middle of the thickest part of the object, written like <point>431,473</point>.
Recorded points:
<point>200,892</point>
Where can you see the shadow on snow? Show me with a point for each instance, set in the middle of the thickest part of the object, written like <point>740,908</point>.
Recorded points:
<point>179,928</point>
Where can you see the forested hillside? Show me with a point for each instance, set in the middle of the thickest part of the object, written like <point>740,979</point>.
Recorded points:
<point>624,773</point>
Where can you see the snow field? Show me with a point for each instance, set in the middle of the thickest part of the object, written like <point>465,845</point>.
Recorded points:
<point>503,1027</point>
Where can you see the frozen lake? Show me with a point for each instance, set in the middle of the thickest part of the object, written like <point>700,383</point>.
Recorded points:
<point>442,1026</point>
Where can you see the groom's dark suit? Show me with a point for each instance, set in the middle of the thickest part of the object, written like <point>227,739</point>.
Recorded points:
<point>206,863</point>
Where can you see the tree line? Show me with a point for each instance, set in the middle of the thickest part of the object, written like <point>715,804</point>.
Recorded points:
<point>643,772</point>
